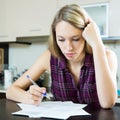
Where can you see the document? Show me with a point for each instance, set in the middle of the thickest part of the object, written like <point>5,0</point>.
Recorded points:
<point>52,109</point>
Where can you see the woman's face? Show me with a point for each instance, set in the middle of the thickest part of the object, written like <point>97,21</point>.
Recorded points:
<point>70,41</point>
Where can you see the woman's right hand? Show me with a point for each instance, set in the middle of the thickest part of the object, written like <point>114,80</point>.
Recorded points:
<point>35,93</point>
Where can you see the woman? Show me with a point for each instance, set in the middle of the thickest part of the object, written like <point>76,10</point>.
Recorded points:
<point>82,69</point>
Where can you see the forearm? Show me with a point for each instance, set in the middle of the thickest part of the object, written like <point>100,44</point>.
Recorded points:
<point>105,81</point>
<point>17,94</point>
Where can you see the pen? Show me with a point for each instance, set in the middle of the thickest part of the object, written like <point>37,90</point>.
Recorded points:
<point>34,83</point>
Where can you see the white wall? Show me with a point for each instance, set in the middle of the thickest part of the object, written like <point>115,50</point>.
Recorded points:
<point>23,56</point>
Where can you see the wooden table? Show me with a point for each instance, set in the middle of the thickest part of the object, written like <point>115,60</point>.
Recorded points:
<point>7,107</point>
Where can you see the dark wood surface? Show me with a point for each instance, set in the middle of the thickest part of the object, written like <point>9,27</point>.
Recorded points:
<point>2,95</point>
<point>7,107</point>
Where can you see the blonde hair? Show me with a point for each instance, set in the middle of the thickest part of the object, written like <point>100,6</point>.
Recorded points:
<point>76,16</point>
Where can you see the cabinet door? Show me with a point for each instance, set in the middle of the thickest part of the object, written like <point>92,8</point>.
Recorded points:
<point>30,17</point>
<point>2,17</point>
<point>3,32</point>
<point>96,11</point>
<point>80,2</point>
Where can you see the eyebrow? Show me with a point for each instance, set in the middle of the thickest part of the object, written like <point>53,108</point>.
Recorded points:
<point>70,36</point>
<point>77,36</point>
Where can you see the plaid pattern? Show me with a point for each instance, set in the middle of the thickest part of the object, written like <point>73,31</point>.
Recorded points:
<point>63,86</point>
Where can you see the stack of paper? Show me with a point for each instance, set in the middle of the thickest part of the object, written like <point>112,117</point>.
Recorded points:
<point>58,110</point>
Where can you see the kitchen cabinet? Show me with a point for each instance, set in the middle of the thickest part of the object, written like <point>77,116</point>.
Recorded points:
<point>80,2</point>
<point>114,18</point>
<point>29,17</point>
<point>96,11</point>
<point>3,32</point>
<point>113,13</point>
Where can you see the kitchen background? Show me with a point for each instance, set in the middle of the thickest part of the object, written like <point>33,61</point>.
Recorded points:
<point>28,21</point>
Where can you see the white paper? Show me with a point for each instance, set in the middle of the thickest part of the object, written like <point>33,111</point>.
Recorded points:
<point>59,110</point>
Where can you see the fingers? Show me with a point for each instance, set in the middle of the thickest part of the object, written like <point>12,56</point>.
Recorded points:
<point>91,34</point>
<point>36,90</point>
<point>36,94</point>
<point>88,21</point>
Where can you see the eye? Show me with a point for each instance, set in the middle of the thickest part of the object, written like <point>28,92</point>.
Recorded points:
<point>76,39</point>
<point>60,39</point>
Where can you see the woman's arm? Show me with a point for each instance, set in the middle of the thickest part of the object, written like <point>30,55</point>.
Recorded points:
<point>17,91</point>
<point>105,63</point>
<point>105,70</point>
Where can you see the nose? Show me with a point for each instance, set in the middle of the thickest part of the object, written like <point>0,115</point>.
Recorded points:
<point>69,46</point>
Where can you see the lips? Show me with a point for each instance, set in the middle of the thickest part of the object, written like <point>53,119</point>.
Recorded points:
<point>70,54</point>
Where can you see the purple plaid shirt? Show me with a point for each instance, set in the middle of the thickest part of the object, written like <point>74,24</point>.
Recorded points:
<point>63,86</point>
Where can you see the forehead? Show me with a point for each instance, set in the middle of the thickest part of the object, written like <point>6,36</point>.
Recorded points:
<point>66,29</point>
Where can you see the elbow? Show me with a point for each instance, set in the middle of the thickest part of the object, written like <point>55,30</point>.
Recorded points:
<point>108,101</point>
<point>108,104</point>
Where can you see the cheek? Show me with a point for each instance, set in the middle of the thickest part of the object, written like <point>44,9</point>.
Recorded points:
<point>80,46</point>
<point>60,45</point>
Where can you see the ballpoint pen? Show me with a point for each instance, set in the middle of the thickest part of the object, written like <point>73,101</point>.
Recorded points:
<point>34,83</point>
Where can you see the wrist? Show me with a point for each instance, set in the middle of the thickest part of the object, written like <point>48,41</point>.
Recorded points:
<point>98,46</point>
